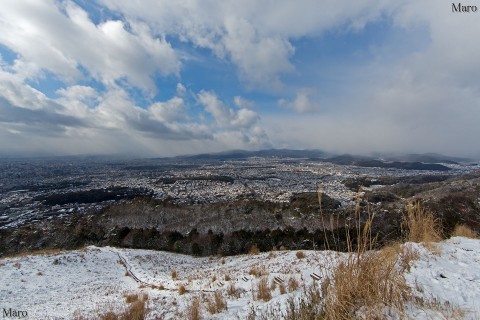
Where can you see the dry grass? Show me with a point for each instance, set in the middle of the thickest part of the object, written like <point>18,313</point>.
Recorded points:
<point>420,225</point>
<point>368,282</point>
<point>462,230</point>
<point>194,311</point>
<point>293,284</point>
<point>273,285</point>
<point>217,304</point>
<point>365,284</point>
<point>311,307</point>
<point>131,297</point>
<point>300,254</point>
<point>174,274</point>
<point>136,310</point>
<point>227,277</point>
<point>282,288</point>
<point>110,315</point>
<point>77,315</point>
<point>403,254</point>
<point>233,291</point>
<point>263,290</point>
<point>182,290</point>
<point>445,309</point>
<point>254,250</point>
<point>257,272</point>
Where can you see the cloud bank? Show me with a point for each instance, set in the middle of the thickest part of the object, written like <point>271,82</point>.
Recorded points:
<point>117,76</point>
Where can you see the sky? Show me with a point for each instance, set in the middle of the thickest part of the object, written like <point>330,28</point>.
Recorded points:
<point>165,78</point>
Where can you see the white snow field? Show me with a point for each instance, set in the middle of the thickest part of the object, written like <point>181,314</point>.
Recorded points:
<point>85,282</point>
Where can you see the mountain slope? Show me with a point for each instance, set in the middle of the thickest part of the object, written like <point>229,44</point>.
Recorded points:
<point>82,282</point>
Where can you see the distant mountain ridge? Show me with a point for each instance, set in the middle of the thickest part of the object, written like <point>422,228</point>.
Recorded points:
<point>361,161</point>
<point>427,161</point>
<point>427,158</point>
<point>243,154</point>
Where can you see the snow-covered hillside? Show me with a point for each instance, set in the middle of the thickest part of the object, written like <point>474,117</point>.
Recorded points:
<point>85,282</point>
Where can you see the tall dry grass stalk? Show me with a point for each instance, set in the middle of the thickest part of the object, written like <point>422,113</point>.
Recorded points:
<point>420,225</point>
<point>263,290</point>
<point>369,282</point>
<point>194,310</point>
<point>217,304</point>
<point>135,310</point>
<point>366,283</point>
<point>233,291</point>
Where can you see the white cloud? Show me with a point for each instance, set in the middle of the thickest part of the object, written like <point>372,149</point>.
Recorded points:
<point>12,89</point>
<point>227,117</point>
<point>60,37</point>
<point>181,90</point>
<point>78,92</point>
<point>426,98</point>
<point>221,113</point>
<point>254,35</point>
<point>260,59</point>
<point>301,103</point>
<point>171,110</point>
<point>78,100</point>
<point>243,103</point>
<point>244,118</point>
<point>237,128</point>
<point>83,120</point>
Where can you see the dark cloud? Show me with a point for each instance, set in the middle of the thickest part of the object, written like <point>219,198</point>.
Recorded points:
<point>42,119</point>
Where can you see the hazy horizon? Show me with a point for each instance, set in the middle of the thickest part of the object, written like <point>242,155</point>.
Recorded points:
<point>392,156</point>
<point>163,78</point>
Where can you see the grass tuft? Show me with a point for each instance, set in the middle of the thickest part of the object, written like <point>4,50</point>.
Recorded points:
<point>369,282</point>
<point>300,255</point>
<point>136,310</point>
<point>217,304</point>
<point>421,225</point>
<point>293,284</point>
<point>132,297</point>
<point>257,272</point>
<point>233,291</point>
<point>282,288</point>
<point>194,311</point>
<point>182,290</point>
<point>254,250</point>
<point>462,230</point>
<point>263,290</point>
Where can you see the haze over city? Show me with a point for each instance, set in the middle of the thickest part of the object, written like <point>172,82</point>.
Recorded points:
<point>163,78</point>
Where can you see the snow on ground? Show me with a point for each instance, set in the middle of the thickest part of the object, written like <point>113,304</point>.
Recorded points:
<point>58,284</point>
<point>451,276</point>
